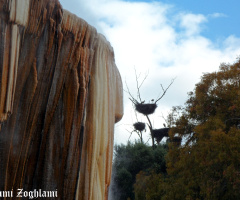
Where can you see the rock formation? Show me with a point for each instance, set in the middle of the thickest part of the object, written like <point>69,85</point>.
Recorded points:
<point>61,94</point>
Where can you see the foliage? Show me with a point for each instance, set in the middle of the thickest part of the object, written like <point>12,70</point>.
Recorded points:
<point>209,169</point>
<point>148,186</point>
<point>208,165</point>
<point>129,160</point>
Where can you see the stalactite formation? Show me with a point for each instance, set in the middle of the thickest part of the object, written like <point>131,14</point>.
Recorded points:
<point>61,94</point>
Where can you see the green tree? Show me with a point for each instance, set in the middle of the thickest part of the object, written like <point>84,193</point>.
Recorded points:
<point>148,185</point>
<point>129,160</point>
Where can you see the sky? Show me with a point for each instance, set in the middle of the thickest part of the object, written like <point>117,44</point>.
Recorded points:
<point>165,39</point>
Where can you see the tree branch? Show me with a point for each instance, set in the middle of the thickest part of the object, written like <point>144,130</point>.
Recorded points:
<point>138,89</point>
<point>164,91</point>
<point>128,91</point>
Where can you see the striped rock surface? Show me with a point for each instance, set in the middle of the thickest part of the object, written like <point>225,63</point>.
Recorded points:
<point>61,94</point>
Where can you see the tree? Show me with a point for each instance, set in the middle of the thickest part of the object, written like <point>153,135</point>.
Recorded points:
<point>147,109</point>
<point>129,160</point>
<point>207,165</point>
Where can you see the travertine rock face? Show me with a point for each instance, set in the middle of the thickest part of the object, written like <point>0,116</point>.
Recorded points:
<point>61,94</point>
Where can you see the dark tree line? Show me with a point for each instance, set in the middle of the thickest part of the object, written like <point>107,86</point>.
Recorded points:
<point>131,159</point>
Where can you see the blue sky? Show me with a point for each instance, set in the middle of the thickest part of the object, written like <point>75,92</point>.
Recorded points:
<point>227,23</point>
<point>168,39</point>
<point>217,27</point>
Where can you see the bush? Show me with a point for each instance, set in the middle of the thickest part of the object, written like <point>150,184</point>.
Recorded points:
<point>129,160</point>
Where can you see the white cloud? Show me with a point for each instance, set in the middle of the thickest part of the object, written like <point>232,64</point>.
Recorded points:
<point>217,15</point>
<point>191,23</point>
<point>149,37</point>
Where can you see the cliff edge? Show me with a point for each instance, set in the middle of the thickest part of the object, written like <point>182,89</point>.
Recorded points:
<point>61,94</point>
